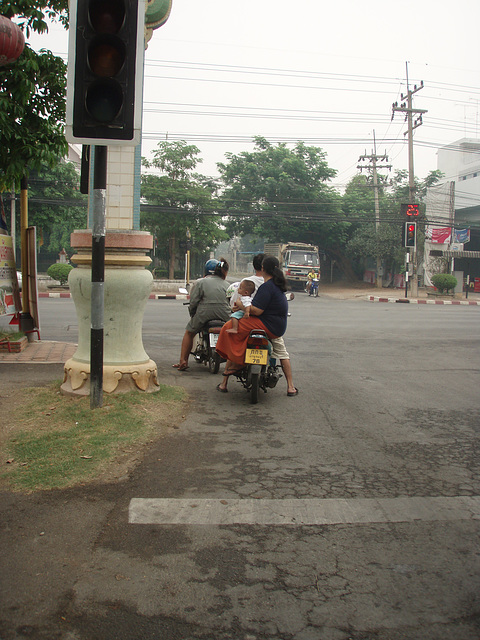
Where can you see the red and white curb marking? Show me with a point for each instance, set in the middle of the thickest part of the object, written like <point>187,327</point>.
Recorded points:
<point>417,301</point>
<point>152,296</point>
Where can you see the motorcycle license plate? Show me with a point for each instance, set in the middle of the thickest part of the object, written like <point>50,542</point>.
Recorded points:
<point>213,339</point>
<point>256,356</point>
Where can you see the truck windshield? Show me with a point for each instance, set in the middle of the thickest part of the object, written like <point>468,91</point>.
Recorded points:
<point>303,258</point>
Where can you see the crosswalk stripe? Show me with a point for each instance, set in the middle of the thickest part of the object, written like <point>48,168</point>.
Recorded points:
<point>308,511</point>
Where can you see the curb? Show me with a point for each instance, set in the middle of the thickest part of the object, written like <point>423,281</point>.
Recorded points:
<point>471,303</point>
<point>55,294</point>
<point>169,296</point>
<point>152,296</point>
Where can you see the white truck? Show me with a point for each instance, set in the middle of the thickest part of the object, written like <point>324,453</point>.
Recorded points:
<point>296,260</point>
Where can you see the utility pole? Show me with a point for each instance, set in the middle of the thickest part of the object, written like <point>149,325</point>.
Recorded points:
<point>406,107</point>
<point>372,167</point>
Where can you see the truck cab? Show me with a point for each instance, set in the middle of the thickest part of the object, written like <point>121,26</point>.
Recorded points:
<point>297,264</point>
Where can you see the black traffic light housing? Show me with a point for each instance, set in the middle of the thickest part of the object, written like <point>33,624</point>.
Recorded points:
<point>409,234</point>
<point>105,71</point>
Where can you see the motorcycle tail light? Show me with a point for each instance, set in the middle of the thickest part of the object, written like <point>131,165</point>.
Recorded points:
<point>255,342</point>
<point>214,330</point>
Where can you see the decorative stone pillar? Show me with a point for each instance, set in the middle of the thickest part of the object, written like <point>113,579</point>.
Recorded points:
<point>127,288</point>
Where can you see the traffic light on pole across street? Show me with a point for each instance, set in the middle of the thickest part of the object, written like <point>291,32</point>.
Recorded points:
<point>105,72</point>
<point>409,234</point>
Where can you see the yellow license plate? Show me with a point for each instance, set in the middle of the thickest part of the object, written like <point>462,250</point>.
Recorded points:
<point>256,356</point>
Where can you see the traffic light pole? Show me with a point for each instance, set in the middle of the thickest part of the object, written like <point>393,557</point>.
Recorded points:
<point>407,108</point>
<point>98,277</point>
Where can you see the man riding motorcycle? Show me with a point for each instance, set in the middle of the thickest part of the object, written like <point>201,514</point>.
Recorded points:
<point>208,301</point>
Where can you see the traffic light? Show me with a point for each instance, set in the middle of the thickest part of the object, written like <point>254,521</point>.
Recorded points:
<point>105,71</point>
<point>409,234</point>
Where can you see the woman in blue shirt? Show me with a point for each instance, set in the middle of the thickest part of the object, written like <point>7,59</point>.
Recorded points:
<point>268,311</point>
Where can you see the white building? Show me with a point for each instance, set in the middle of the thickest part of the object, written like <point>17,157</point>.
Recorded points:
<point>455,203</point>
<point>460,163</point>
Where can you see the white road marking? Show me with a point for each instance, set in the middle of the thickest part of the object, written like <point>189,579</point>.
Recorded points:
<point>205,511</point>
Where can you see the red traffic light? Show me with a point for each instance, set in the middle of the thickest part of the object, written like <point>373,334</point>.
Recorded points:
<point>410,234</point>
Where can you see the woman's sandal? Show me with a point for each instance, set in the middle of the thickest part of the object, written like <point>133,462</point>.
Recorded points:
<point>219,388</point>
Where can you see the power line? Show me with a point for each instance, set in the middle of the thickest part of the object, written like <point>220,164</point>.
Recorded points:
<point>202,66</point>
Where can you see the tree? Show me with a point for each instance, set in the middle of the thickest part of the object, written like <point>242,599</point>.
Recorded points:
<point>183,201</point>
<point>32,98</point>
<point>400,188</point>
<point>30,16</point>
<point>56,206</point>
<point>280,194</point>
<point>365,240</point>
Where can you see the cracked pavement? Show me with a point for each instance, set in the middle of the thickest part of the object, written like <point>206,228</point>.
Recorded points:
<point>75,568</point>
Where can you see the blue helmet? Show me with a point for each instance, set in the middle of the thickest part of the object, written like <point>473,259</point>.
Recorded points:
<point>210,267</point>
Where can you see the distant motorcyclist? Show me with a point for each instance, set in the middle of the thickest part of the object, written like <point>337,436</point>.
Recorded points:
<point>208,301</point>
<point>310,277</point>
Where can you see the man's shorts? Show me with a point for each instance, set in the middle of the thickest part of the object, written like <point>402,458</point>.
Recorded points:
<point>279,351</point>
<point>203,314</point>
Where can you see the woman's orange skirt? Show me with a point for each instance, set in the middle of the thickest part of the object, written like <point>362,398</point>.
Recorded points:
<point>232,346</point>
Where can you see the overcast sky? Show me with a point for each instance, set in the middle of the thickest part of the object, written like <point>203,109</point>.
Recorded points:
<point>219,72</point>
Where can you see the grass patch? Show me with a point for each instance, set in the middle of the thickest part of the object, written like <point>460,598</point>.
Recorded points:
<point>6,334</point>
<point>55,441</point>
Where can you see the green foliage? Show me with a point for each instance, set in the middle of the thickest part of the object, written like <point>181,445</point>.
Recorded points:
<point>30,16</point>
<point>281,194</point>
<point>183,200</point>
<point>59,271</point>
<point>444,282</point>
<point>32,98</point>
<point>365,239</point>
<point>10,335</point>
<point>400,185</point>
<point>56,206</point>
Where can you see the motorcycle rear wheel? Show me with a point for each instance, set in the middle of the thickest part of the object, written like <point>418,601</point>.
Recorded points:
<point>213,361</point>
<point>255,388</point>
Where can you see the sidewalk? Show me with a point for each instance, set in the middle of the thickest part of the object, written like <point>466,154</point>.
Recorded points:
<point>41,352</point>
<point>470,302</point>
<point>422,298</point>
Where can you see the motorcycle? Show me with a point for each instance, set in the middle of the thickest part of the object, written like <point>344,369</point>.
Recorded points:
<point>204,346</point>
<point>205,341</point>
<point>260,370</point>
<point>314,288</point>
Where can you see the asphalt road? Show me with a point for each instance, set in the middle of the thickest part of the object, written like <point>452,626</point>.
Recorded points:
<point>348,512</point>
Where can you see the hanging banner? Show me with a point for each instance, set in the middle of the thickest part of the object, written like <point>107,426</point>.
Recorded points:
<point>438,235</point>
<point>9,291</point>
<point>461,235</point>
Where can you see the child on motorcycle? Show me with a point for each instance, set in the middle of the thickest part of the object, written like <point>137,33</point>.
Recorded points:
<point>244,301</point>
